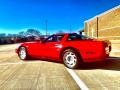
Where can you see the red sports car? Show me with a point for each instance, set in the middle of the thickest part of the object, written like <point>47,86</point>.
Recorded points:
<point>71,48</point>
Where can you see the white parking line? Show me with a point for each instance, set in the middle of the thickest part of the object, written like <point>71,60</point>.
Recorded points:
<point>79,82</point>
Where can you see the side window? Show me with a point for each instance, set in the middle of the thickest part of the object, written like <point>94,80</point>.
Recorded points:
<point>85,37</point>
<point>73,37</point>
<point>52,39</point>
<point>59,37</point>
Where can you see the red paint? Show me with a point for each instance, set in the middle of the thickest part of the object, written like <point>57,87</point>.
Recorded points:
<point>90,50</point>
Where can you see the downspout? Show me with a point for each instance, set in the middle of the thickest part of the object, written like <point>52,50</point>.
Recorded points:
<point>97,27</point>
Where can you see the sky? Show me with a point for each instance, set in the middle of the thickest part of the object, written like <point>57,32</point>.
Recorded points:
<point>20,15</point>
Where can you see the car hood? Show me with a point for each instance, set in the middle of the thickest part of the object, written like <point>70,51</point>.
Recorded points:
<point>30,43</point>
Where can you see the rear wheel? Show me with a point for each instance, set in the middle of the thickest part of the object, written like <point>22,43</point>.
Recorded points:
<point>71,58</point>
<point>23,53</point>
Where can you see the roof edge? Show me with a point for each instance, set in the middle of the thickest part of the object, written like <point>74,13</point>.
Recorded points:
<point>103,13</point>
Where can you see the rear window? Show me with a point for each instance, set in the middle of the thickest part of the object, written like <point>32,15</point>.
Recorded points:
<point>74,37</point>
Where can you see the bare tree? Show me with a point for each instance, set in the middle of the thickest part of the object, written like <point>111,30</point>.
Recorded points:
<point>33,32</point>
<point>21,34</point>
<point>2,35</point>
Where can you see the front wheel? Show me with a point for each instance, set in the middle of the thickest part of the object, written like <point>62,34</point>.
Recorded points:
<point>23,53</point>
<point>71,59</point>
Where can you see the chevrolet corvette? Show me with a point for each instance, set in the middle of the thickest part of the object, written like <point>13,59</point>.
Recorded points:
<point>70,48</point>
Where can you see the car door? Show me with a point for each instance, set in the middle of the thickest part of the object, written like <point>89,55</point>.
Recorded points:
<point>52,47</point>
<point>36,49</point>
<point>52,50</point>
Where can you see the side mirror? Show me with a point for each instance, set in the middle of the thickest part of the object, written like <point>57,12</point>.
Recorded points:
<point>38,40</point>
<point>42,41</point>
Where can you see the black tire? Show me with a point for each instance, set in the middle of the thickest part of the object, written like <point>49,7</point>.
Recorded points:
<point>22,53</point>
<point>71,58</point>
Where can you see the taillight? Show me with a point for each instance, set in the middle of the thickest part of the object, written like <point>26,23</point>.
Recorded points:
<point>107,50</point>
<point>107,44</point>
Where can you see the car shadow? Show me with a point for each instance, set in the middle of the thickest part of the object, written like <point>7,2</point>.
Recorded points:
<point>112,63</point>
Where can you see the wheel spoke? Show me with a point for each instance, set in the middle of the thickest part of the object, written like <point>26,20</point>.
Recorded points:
<point>70,59</point>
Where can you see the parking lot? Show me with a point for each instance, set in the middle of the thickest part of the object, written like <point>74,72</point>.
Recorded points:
<point>43,75</point>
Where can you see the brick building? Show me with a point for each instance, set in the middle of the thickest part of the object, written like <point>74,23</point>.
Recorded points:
<point>105,25</point>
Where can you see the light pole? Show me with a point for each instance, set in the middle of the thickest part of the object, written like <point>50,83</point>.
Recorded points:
<point>70,28</point>
<point>46,22</point>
